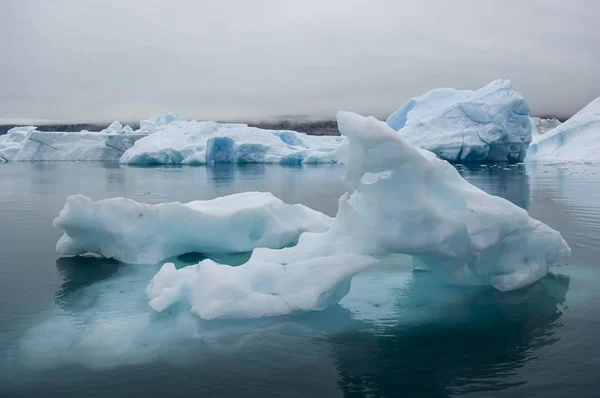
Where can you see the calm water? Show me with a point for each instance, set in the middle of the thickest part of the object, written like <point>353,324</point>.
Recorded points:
<point>82,327</point>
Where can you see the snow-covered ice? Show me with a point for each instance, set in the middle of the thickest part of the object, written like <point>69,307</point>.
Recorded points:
<point>135,232</point>
<point>577,139</point>
<point>28,144</point>
<point>488,125</point>
<point>402,199</point>
<point>196,143</point>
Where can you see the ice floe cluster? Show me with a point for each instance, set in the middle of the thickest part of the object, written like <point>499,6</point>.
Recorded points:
<point>400,199</point>
<point>492,124</point>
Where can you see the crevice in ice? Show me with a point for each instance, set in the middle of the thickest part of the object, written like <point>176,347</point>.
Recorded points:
<point>462,146</point>
<point>113,147</point>
<point>42,143</point>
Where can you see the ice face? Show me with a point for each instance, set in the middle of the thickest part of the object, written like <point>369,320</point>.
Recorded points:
<point>126,130</point>
<point>114,128</point>
<point>141,233</point>
<point>402,199</point>
<point>196,143</point>
<point>574,140</point>
<point>28,144</point>
<point>488,125</point>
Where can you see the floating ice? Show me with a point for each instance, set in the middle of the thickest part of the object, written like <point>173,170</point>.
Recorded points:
<point>135,232</point>
<point>488,125</point>
<point>403,200</point>
<point>126,130</point>
<point>541,126</point>
<point>157,122</point>
<point>196,143</point>
<point>114,128</point>
<point>577,139</point>
<point>29,144</point>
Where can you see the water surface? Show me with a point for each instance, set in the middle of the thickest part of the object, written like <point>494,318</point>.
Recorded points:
<point>82,326</point>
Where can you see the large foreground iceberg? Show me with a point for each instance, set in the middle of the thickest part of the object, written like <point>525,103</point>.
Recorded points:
<point>491,124</point>
<point>29,144</point>
<point>402,199</point>
<point>142,233</point>
<point>196,143</point>
<point>577,139</point>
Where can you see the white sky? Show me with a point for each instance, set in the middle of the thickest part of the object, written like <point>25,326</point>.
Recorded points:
<point>101,60</point>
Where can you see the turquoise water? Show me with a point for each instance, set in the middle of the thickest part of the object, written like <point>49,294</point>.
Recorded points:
<point>82,326</point>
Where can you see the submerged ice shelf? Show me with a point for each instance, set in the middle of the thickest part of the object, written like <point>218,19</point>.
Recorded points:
<point>401,199</point>
<point>134,232</point>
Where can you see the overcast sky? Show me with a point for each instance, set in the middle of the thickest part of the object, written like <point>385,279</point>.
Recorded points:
<point>80,60</point>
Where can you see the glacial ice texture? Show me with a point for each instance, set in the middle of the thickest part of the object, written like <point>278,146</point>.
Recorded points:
<point>134,232</point>
<point>29,144</point>
<point>197,143</point>
<point>541,126</point>
<point>577,139</point>
<point>491,124</point>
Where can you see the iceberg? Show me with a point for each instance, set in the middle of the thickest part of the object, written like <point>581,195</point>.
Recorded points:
<point>29,144</point>
<point>114,128</point>
<point>541,126</point>
<point>401,199</point>
<point>577,139</point>
<point>134,232</point>
<point>491,124</point>
<point>170,140</point>
<point>207,142</point>
<point>157,122</point>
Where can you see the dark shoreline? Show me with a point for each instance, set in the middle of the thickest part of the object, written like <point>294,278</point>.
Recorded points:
<point>322,127</point>
<point>325,127</point>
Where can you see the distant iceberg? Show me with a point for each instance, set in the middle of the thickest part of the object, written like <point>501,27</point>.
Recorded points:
<point>28,144</point>
<point>488,125</point>
<point>134,232</point>
<point>197,143</point>
<point>155,122</point>
<point>491,124</point>
<point>542,126</point>
<point>401,199</point>
<point>170,140</point>
<point>577,139</point>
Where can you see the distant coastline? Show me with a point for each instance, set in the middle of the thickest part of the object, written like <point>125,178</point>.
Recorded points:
<point>321,127</point>
<point>324,127</point>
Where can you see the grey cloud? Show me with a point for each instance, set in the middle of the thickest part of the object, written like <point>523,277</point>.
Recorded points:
<point>87,60</point>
